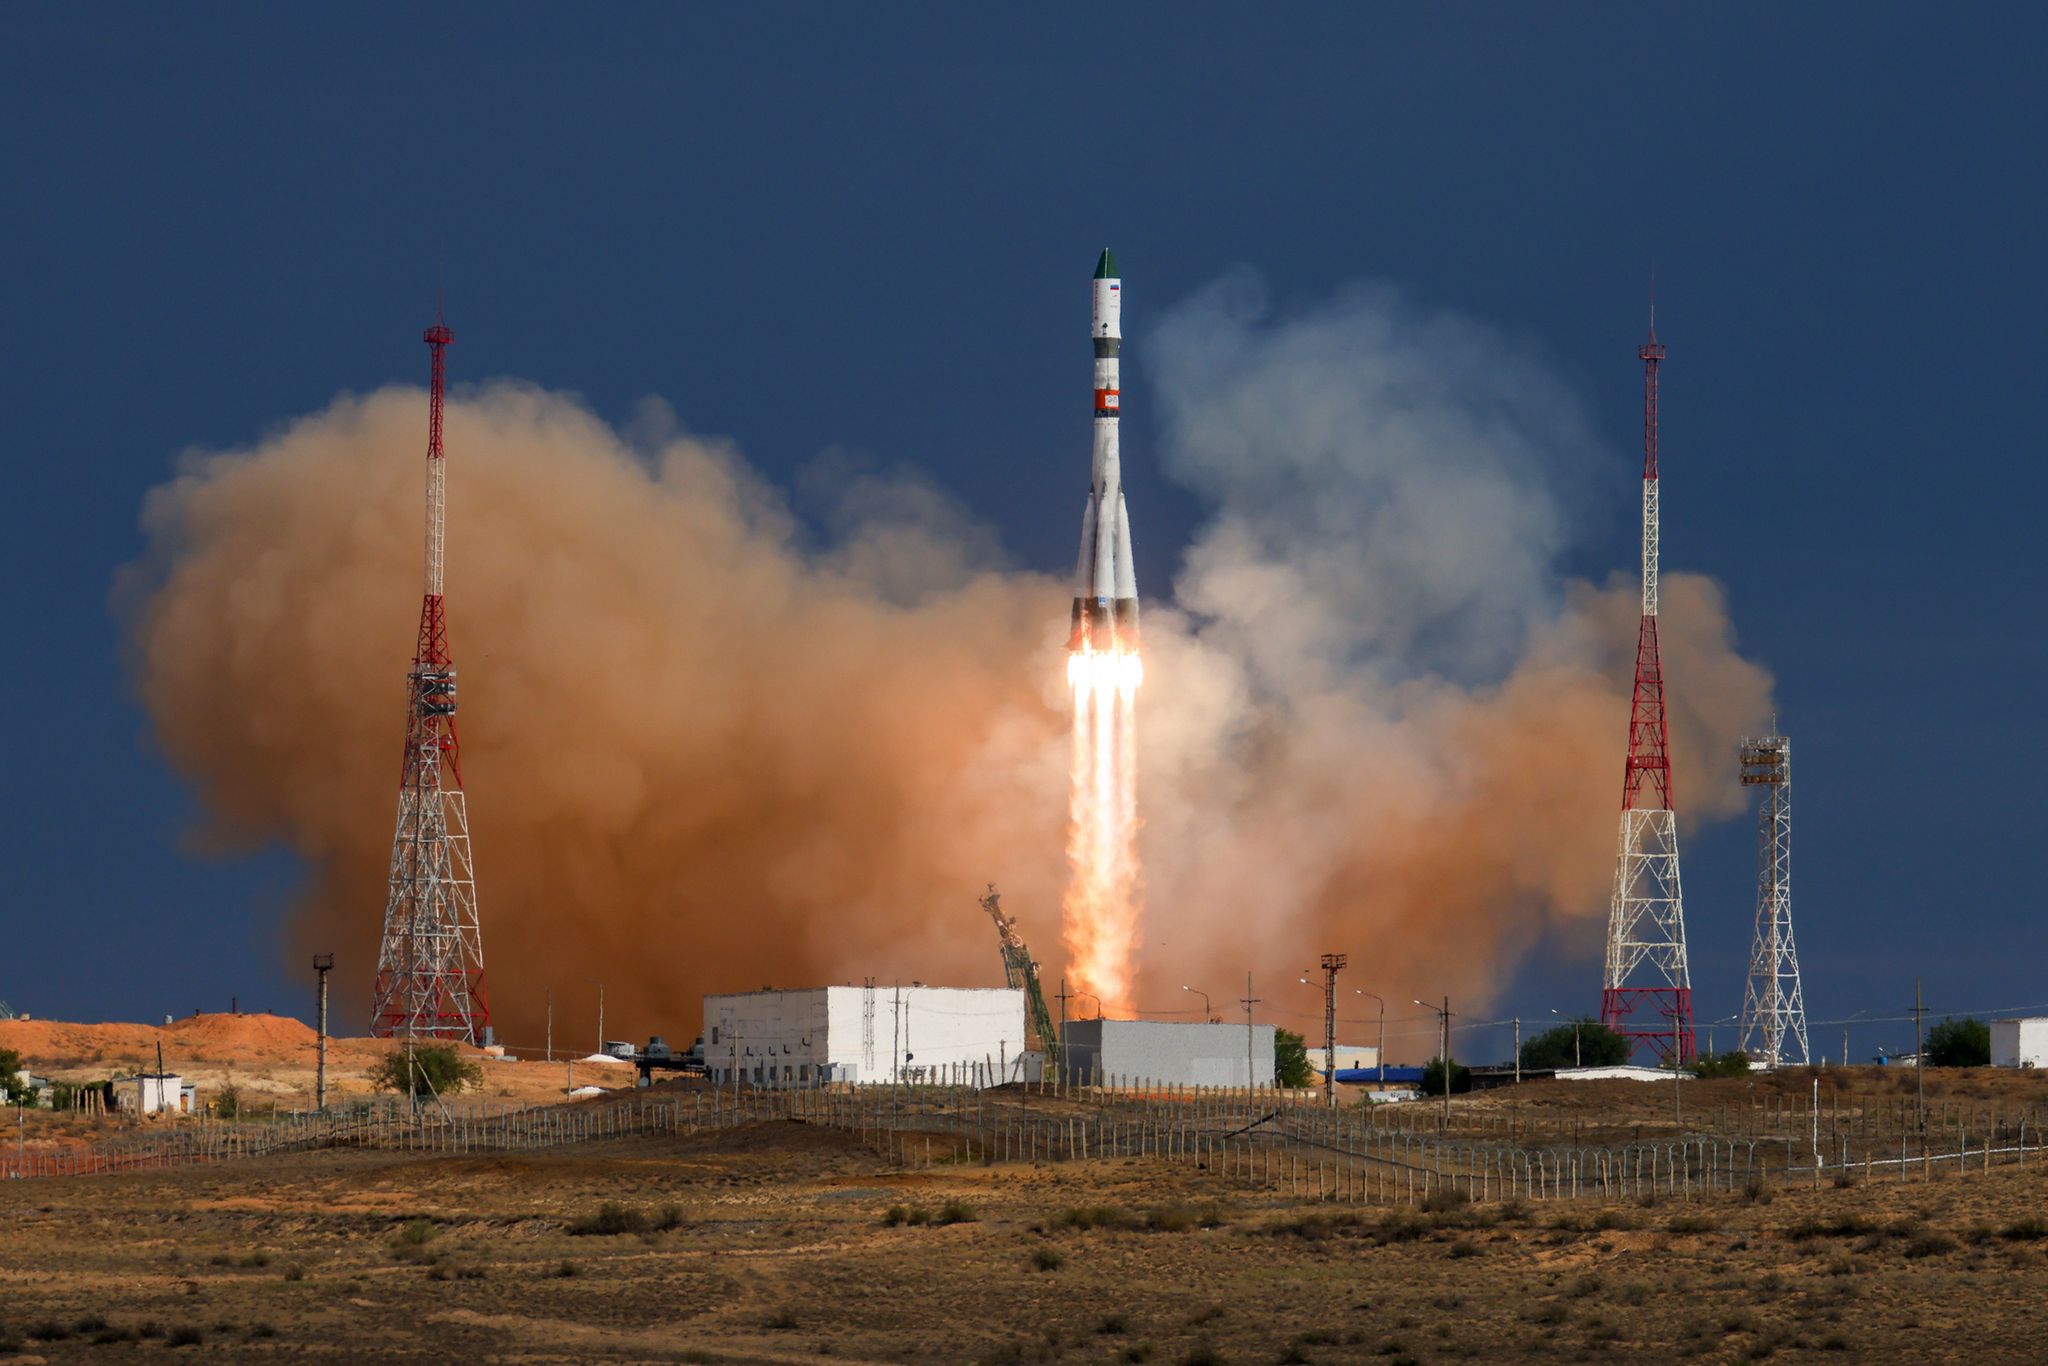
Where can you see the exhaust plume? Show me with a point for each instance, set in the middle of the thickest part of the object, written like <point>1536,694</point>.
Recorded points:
<point>702,755</point>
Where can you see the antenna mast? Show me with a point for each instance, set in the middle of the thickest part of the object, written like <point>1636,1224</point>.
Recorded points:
<point>430,964</point>
<point>1646,964</point>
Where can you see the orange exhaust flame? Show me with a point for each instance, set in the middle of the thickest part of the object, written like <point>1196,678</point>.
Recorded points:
<point>1103,901</point>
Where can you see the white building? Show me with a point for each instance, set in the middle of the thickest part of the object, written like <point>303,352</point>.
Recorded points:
<point>964,1035</point>
<point>1161,1053</point>
<point>2019,1043</point>
<point>159,1093</point>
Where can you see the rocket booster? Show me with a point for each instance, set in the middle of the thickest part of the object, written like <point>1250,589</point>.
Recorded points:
<point>1105,617</point>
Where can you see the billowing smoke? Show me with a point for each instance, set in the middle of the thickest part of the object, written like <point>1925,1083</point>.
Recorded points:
<point>1385,724</point>
<point>704,754</point>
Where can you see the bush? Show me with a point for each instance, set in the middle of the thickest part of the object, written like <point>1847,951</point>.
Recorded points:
<point>1086,1217</point>
<point>437,1068</point>
<point>1433,1078</point>
<point>1444,1199</point>
<point>1959,1043</point>
<point>1731,1064</point>
<point>956,1212</point>
<point>1598,1046</point>
<point>611,1220</point>
<point>418,1232</point>
<point>187,1336</point>
<point>1047,1259</point>
<point>1114,1323</point>
<point>1290,1059</point>
<point>227,1102</point>
<point>12,1087</point>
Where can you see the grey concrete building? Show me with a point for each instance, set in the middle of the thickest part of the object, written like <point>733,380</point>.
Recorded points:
<point>1167,1054</point>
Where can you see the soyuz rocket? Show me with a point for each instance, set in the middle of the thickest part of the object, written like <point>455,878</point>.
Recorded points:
<point>1106,581</point>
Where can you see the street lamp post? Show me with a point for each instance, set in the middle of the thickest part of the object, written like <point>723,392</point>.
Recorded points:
<point>1205,1001</point>
<point>1443,1016</point>
<point>1356,991</point>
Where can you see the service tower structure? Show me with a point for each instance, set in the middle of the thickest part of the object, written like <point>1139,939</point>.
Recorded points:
<point>430,964</point>
<point>1774,1004</point>
<point>1647,991</point>
<point>1105,619</point>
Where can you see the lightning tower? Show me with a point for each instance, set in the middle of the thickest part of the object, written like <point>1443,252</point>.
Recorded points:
<point>430,965</point>
<point>1774,1006</point>
<point>1647,992</point>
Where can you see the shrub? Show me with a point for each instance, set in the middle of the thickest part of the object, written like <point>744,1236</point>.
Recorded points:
<point>1114,1323</point>
<point>956,1212</point>
<point>1433,1078</point>
<point>1551,1315</point>
<point>1730,1064</point>
<point>227,1102</point>
<point>1290,1059</point>
<point>1181,1218</point>
<point>781,1321</point>
<point>1932,1243</point>
<point>1444,1199</point>
<point>896,1215</point>
<point>255,1259</point>
<point>1047,1259</point>
<point>2029,1229</point>
<point>1759,1192</point>
<point>611,1220</point>
<point>418,1232</point>
<point>568,1269</point>
<point>1464,1247</point>
<point>1598,1046</point>
<point>1086,1217</point>
<point>295,1272</point>
<point>186,1336</point>
<point>437,1068</point>
<point>1609,1219</point>
<point>1139,1351</point>
<point>1204,1355</point>
<point>1691,1223</point>
<point>671,1217</point>
<point>1959,1043</point>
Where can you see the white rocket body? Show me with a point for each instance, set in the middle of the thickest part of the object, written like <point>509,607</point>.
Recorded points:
<point>1105,617</point>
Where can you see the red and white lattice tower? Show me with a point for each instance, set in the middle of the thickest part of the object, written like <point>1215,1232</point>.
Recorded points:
<point>430,966</point>
<point>1647,995</point>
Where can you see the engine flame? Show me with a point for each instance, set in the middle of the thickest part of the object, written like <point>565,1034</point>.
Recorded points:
<point>1103,902</point>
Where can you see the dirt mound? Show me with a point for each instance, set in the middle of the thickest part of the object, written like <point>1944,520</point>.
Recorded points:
<point>241,1033</point>
<point>56,1043</point>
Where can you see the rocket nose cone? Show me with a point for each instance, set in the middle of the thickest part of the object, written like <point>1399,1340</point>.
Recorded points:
<point>1105,266</point>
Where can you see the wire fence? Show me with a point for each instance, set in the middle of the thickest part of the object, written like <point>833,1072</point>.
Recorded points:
<point>1276,1140</point>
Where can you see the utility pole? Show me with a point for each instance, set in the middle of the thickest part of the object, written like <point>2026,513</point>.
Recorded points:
<point>1333,963</point>
<point>600,1017</point>
<point>1382,1055</point>
<point>1063,1033</point>
<point>1518,1050</point>
<point>1250,1076</point>
<point>551,1024</point>
<point>323,963</point>
<point>1443,1016</point>
<point>1919,1066</point>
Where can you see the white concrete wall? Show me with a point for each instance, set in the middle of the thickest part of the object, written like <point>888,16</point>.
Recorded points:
<point>2019,1043</point>
<point>919,1033</point>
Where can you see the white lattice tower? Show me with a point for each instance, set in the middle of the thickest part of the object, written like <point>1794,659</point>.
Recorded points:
<point>430,963</point>
<point>1774,1004</point>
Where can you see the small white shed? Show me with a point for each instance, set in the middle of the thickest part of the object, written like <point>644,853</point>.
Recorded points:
<point>160,1093</point>
<point>2019,1043</point>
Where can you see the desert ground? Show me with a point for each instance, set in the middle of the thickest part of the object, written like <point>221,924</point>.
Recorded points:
<point>783,1241</point>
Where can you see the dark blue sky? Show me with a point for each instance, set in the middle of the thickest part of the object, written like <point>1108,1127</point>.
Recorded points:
<point>820,225</point>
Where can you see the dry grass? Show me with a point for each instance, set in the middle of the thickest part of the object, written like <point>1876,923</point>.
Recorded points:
<point>572,1255</point>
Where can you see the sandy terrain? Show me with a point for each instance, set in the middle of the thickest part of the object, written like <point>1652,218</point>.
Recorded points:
<point>268,1058</point>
